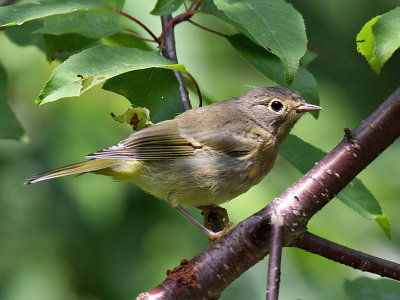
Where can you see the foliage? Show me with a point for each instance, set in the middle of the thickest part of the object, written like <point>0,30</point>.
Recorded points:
<point>93,44</point>
<point>13,130</point>
<point>81,72</point>
<point>379,38</point>
<point>369,289</point>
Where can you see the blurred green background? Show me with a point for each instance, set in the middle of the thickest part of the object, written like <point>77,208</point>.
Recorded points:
<point>88,237</point>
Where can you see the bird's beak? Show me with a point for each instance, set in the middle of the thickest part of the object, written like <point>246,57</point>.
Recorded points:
<point>306,107</point>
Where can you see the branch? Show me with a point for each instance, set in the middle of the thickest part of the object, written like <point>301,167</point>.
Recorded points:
<point>168,51</point>
<point>210,272</point>
<point>349,257</point>
<point>174,21</point>
<point>274,263</point>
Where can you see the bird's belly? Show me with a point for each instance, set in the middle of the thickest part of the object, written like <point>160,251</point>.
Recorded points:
<point>197,181</point>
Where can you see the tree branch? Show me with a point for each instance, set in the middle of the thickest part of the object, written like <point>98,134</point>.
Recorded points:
<point>210,272</point>
<point>174,21</point>
<point>168,51</point>
<point>274,263</point>
<point>349,257</point>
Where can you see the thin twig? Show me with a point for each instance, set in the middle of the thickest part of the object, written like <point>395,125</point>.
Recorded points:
<point>274,263</point>
<point>173,21</point>
<point>199,4</point>
<point>192,5</point>
<point>169,51</point>
<point>138,36</point>
<point>197,87</point>
<point>208,29</point>
<point>137,21</point>
<point>352,258</point>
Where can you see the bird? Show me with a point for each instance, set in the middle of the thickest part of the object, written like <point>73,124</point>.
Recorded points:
<point>205,156</point>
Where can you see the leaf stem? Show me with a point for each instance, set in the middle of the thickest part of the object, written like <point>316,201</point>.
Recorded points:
<point>199,4</point>
<point>136,21</point>
<point>192,5</point>
<point>197,87</point>
<point>208,29</point>
<point>138,36</point>
<point>179,18</point>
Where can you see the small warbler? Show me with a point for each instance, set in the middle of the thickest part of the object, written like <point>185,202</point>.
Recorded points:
<point>204,156</point>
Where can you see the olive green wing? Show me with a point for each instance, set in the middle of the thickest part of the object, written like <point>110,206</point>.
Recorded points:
<point>168,140</point>
<point>232,144</point>
<point>221,132</point>
<point>159,141</point>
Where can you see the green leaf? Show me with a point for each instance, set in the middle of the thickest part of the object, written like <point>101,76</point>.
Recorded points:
<point>23,35</point>
<point>155,89</point>
<point>275,25</point>
<point>95,65</point>
<point>9,128</point>
<point>209,7</point>
<point>383,221</point>
<point>165,7</point>
<point>91,24</point>
<point>303,156</point>
<point>19,14</point>
<point>269,65</point>
<point>364,288</point>
<point>117,4</point>
<point>356,190</point>
<point>67,44</point>
<point>366,45</point>
<point>357,196</point>
<point>308,58</point>
<point>138,117</point>
<point>386,32</point>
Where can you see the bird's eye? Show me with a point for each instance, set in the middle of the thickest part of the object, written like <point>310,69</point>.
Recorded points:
<point>276,106</point>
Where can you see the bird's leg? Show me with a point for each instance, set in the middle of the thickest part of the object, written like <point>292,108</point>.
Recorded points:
<point>212,236</point>
<point>196,223</point>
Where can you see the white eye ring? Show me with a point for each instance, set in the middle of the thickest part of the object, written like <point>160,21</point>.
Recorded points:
<point>276,105</point>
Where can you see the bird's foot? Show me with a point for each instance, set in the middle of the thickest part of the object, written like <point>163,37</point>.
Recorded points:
<point>215,217</point>
<point>213,232</point>
<point>212,236</point>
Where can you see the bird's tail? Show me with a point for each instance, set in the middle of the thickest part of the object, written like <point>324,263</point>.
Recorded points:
<point>78,168</point>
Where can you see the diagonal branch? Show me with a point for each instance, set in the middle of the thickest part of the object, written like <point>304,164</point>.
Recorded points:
<point>210,272</point>
<point>352,258</point>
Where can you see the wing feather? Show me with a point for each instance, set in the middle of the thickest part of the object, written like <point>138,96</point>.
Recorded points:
<point>160,141</point>
<point>172,139</point>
